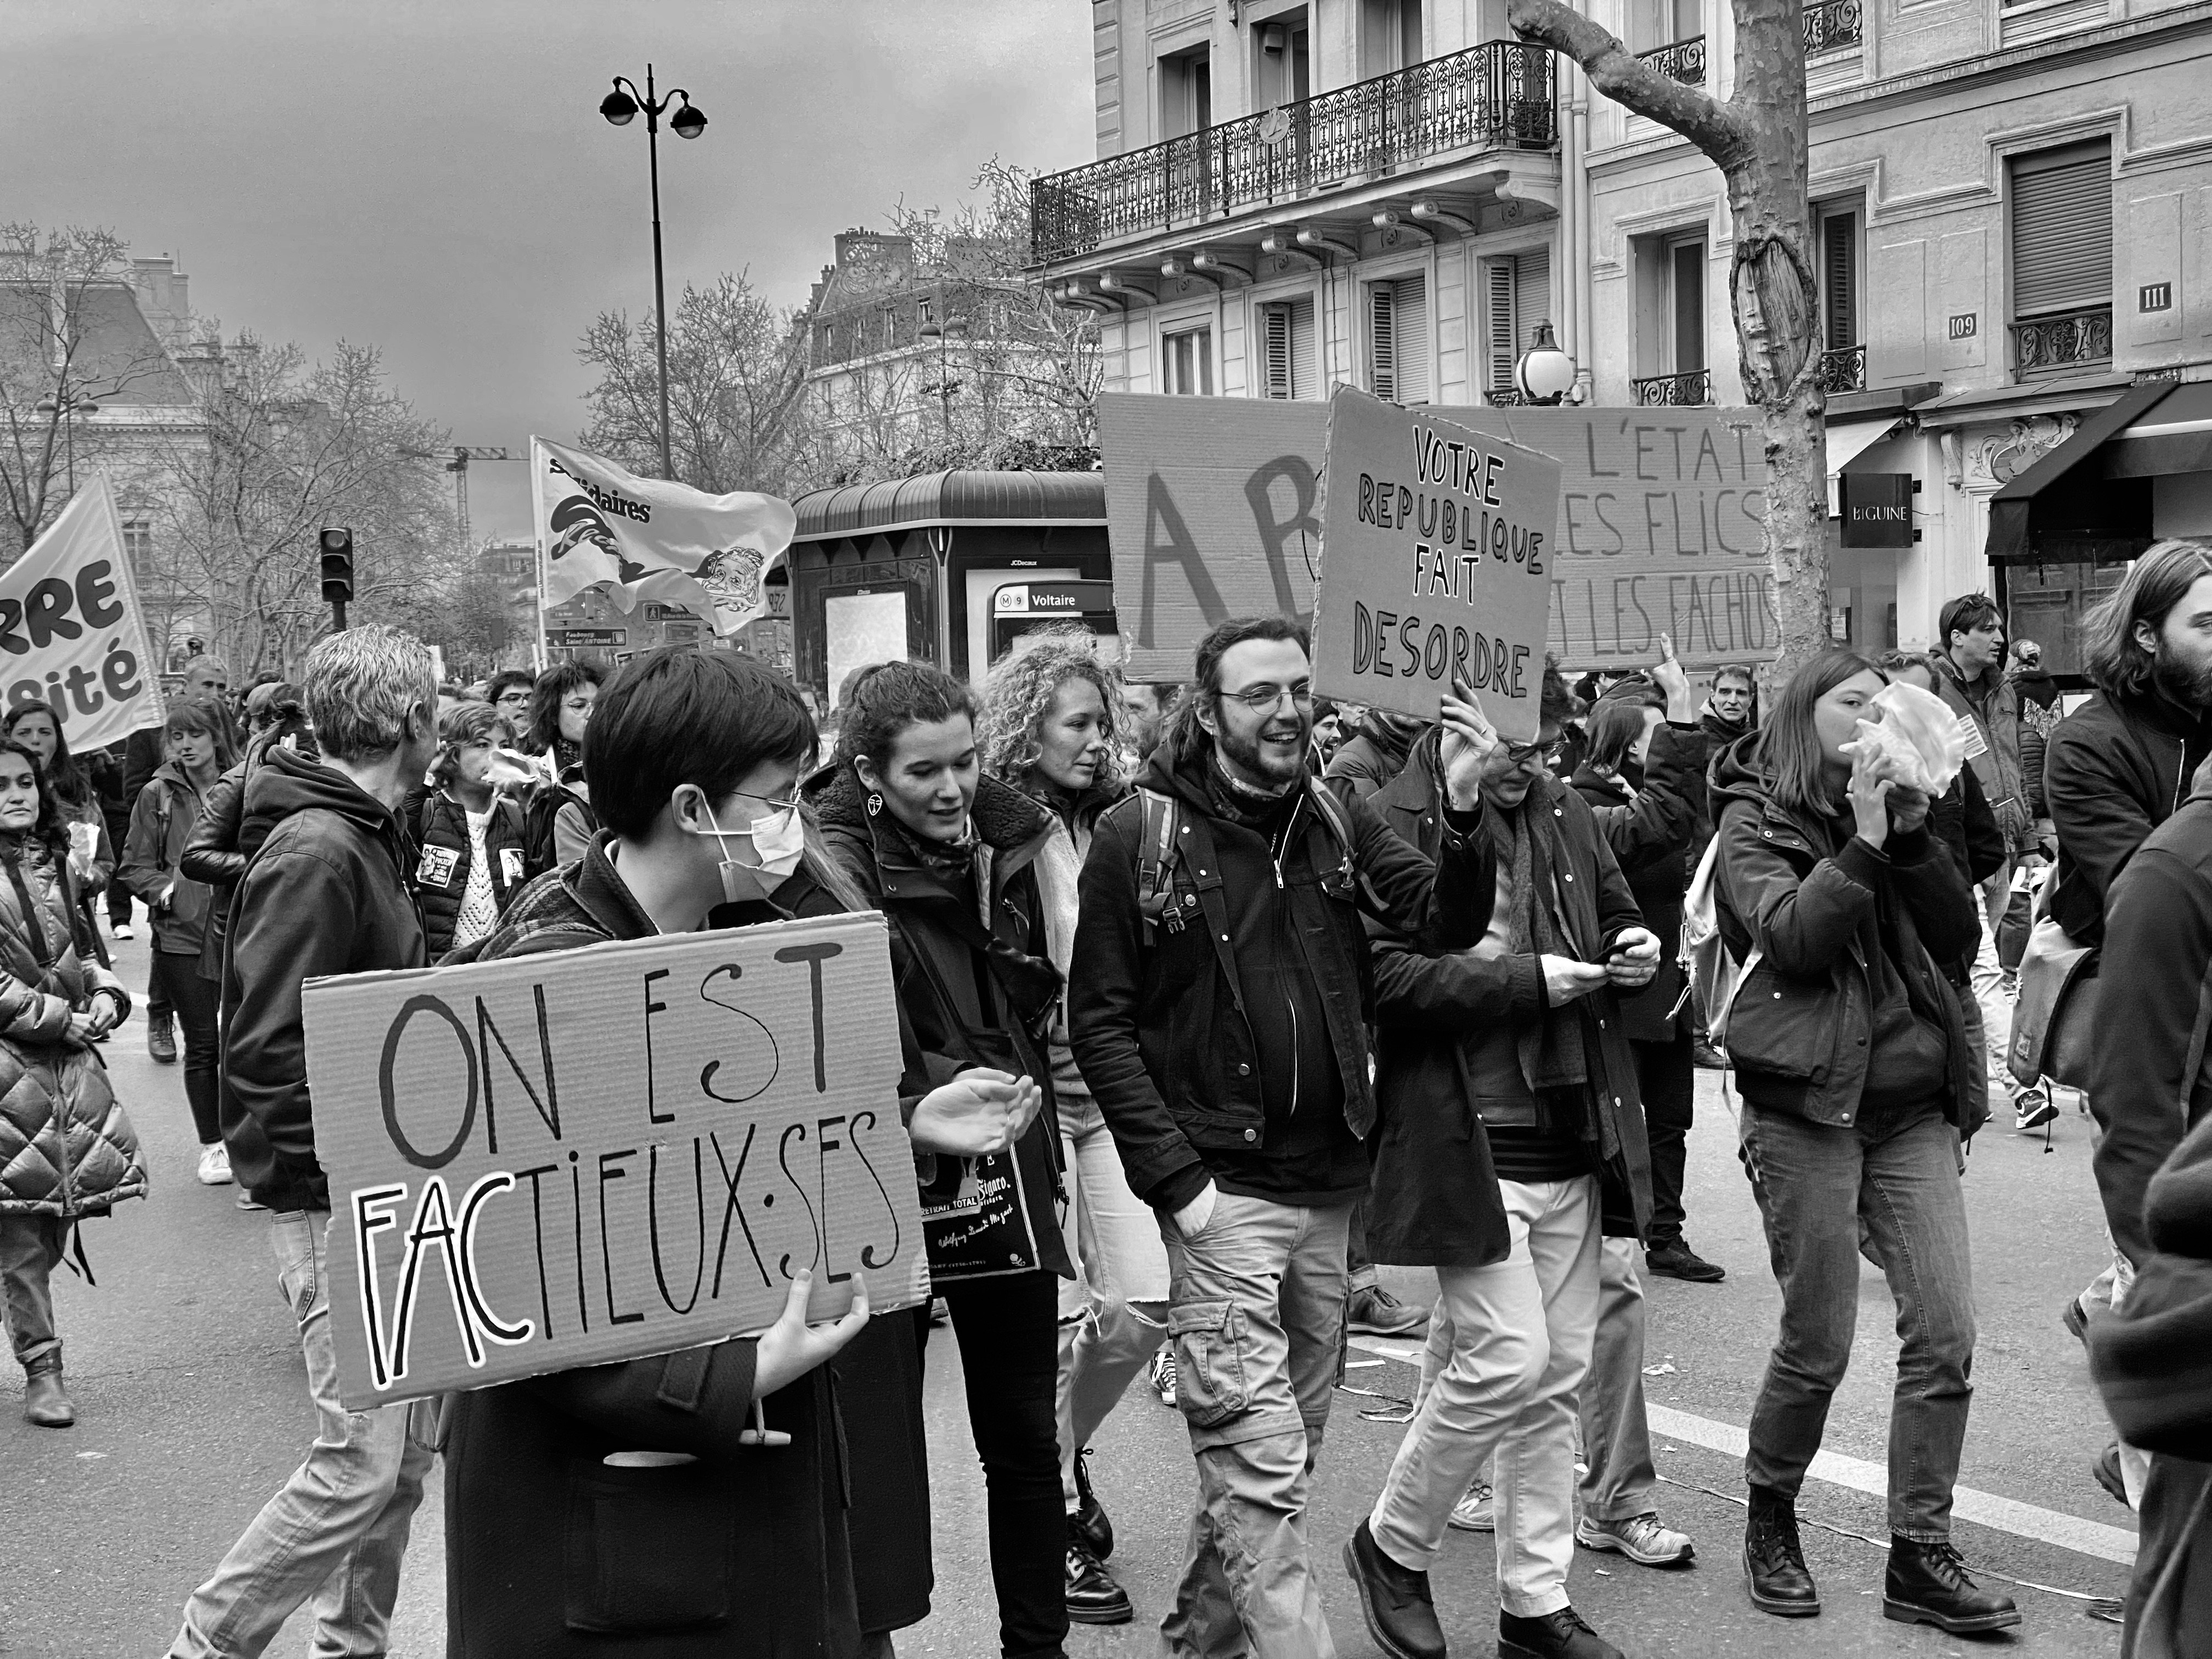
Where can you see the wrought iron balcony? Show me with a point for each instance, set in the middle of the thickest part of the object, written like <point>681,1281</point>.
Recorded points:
<point>1685,60</point>
<point>1494,96</point>
<point>1508,397</point>
<point>1834,24</point>
<point>2062,342</point>
<point>1692,390</point>
<point>1843,370</point>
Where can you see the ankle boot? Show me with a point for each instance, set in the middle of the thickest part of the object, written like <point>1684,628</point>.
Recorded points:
<point>1927,1584</point>
<point>1774,1560</point>
<point>45,1401</point>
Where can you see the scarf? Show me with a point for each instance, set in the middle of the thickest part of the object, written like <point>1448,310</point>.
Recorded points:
<point>1552,1054</point>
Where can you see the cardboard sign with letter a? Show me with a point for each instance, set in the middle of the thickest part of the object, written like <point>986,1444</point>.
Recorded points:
<point>595,1155</point>
<point>1437,544</point>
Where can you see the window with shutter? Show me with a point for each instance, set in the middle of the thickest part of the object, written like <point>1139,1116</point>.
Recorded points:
<point>2062,229</point>
<point>1274,351</point>
<point>1839,279</point>
<point>1382,343</point>
<point>1686,262</point>
<point>1189,363</point>
<point>1305,360</point>
<point>1501,332</point>
<point>1532,294</point>
<point>1410,338</point>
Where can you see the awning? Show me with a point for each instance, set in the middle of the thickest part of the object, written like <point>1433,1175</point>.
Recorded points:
<point>1847,440</point>
<point>1042,499</point>
<point>2173,436</point>
<point>2065,510</point>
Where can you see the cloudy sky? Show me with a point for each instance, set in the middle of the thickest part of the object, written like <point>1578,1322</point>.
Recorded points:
<point>434,178</point>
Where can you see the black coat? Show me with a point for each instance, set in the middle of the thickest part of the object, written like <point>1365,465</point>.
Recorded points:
<point>441,862</point>
<point>1433,1199</point>
<point>551,1551</point>
<point>1159,1027</point>
<point>2111,773</point>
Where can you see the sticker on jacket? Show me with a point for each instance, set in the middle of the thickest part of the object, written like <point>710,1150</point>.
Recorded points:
<point>437,867</point>
<point>510,865</point>
<point>1971,730</point>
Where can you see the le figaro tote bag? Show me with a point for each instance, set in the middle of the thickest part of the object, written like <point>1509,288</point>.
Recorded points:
<point>2057,1011</point>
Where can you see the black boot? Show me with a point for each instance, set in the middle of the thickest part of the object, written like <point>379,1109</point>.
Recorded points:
<point>45,1402</point>
<point>1093,1597</point>
<point>1561,1635</point>
<point>1399,1615</point>
<point>1089,1523</point>
<point>1927,1584</point>
<point>1774,1560</point>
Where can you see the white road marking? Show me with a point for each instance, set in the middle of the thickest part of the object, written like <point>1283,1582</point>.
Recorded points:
<point>2067,1532</point>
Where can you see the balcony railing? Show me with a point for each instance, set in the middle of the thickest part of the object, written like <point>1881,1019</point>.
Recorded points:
<point>1843,370</point>
<point>1494,96</point>
<point>1834,24</point>
<point>2054,343</point>
<point>1684,60</point>
<point>1692,390</point>
<point>1508,397</point>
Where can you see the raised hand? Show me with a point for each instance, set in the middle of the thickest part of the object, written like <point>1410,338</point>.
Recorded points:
<point>1670,676</point>
<point>1469,740</point>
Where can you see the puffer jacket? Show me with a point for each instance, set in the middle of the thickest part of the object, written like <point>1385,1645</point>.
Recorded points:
<point>442,857</point>
<point>1803,1017</point>
<point>66,1147</point>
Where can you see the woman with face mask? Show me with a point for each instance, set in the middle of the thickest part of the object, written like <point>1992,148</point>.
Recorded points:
<point>1049,729</point>
<point>950,856</point>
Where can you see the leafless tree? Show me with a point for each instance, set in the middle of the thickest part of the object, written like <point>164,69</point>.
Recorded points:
<point>1757,137</point>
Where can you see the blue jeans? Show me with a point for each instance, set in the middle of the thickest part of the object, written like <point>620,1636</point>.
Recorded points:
<point>1815,1185</point>
<point>338,1528</point>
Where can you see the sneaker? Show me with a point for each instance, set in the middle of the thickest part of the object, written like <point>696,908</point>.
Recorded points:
<point>1641,1538</point>
<point>1561,1635</point>
<point>247,1201</point>
<point>1393,1600</point>
<point>1373,1311</point>
<point>2075,1321</point>
<point>1093,1596</point>
<point>1088,1523</point>
<point>1160,1375</point>
<point>215,1165</point>
<point>2034,1108</point>
<point>122,931</point>
<point>162,1039</point>
<point>1673,1259</point>
<point>1473,1513</point>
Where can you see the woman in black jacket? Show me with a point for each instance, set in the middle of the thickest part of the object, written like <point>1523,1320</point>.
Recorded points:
<point>1851,1054</point>
<point>471,860</point>
<point>948,855</point>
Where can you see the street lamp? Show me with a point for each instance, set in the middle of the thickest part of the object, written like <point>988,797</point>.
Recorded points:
<point>50,406</point>
<point>954,328</point>
<point>1544,373</point>
<point>620,107</point>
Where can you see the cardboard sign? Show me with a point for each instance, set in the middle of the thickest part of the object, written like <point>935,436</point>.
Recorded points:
<point>71,631</point>
<point>597,1155</point>
<point>1437,544</point>
<point>1213,510</point>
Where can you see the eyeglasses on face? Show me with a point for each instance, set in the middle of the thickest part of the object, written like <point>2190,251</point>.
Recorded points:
<point>782,803</point>
<point>1265,699</point>
<point>1521,753</point>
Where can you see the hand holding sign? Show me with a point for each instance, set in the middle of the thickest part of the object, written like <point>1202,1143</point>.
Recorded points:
<point>1469,740</point>
<point>791,1347</point>
<point>978,1113</point>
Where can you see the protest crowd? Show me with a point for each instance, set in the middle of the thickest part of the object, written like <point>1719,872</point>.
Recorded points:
<point>1245,995</point>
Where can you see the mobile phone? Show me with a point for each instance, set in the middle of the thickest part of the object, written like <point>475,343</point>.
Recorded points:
<point>1610,945</point>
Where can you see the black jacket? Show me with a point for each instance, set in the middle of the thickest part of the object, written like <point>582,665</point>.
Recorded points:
<point>327,893</point>
<point>442,859</point>
<point>161,822</point>
<point>1159,1028</point>
<point>214,853</point>
<point>2111,773</point>
<point>1803,1019</point>
<point>1434,1200</point>
<point>1372,755</point>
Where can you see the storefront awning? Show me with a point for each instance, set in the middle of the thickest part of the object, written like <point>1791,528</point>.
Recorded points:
<point>2066,509</point>
<point>1847,440</point>
<point>2174,436</point>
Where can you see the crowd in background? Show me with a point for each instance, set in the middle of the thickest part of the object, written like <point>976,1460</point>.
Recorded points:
<point>1213,998</point>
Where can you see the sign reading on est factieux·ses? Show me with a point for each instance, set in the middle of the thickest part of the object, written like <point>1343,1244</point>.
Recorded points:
<point>588,1156</point>
<point>1436,548</point>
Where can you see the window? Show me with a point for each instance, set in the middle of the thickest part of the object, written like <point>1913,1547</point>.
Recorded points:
<point>1186,93</point>
<point>1655,23</point>
<point>1516,293</point>
<point>1390,36</point>
<point>925,311</point>
<point>1686,297</point>
<point>1187,362</point>
<point>1839,277</point>
<point>2062,229</point>
<point>891,325</point>
<point>1284,62</point>
<point>138,548</point>
<point>1287,348</point>
<point>1398,340</point>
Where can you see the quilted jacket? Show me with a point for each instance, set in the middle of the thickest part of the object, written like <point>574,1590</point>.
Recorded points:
<point>66,1149</point>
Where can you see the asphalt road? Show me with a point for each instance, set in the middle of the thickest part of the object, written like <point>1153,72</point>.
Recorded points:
<point>193,1410</point>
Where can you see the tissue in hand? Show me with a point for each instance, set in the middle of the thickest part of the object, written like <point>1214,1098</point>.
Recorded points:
<point>1918,733</point>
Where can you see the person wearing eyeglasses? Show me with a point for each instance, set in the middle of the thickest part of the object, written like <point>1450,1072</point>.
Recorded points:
<point>1217,1011</point>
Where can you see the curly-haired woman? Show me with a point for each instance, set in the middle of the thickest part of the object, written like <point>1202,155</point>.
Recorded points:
<point>1050,720</point>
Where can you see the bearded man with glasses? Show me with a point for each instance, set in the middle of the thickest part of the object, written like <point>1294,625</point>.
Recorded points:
<point>1219,1009</point>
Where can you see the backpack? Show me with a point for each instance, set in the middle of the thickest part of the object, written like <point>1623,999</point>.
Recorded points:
<point>1159,848</point>
<point>1712,974</point>
<point>539,813</point>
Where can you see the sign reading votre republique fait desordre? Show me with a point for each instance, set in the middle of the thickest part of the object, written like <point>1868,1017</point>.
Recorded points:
<point>1213,510</point>
<point>587,1156</point>
<point>1437,545</point>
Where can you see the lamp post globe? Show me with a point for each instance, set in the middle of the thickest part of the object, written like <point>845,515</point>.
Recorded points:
<point>688,121</point>
<point>1544,373</point>
<point>619,108</point>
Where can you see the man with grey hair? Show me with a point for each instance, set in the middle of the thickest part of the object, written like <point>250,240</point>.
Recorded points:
<point>327,893</point>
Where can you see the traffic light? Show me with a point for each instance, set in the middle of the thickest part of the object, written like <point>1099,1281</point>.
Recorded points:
<point>337,565</point>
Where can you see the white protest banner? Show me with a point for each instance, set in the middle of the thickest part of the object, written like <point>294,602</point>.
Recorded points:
<point>1436,549</point>
<point>71,630</point>
<point>601,526</point>
<point>1211,509</point>
<point>588,1156</point>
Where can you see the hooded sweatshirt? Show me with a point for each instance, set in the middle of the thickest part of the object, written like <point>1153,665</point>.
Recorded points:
<point>327,893</point>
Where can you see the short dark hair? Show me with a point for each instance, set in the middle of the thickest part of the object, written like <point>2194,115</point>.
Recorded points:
<point>884,699</point>
<point>1614,727</point>
<point>2160,580</point>
<point>1555,703</point>
<point>677,715</point>
<point>553,685</point>
<point>506,677</point>
<point>1789,746</point>
<point>1740,671</point>
<point>1188,736</point>
<point>1965,614</point>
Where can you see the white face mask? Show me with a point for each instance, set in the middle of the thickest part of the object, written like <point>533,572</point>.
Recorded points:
<point>778,842</point>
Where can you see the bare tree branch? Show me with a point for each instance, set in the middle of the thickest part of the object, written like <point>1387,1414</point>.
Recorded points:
<point>1714,127</point>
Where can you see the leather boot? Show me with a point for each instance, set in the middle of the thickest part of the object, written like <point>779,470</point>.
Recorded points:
<point>45,1401</point>
<point>1927,1584</point>
<point>1400,1616</point>
<point>1089,1522</point>
<point>1093,1597</point>
<point>1774,1560</point>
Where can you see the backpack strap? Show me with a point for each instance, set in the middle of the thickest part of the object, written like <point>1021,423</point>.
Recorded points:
<point>1157,851</point>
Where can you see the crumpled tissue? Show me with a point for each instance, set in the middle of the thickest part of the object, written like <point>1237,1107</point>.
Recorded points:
<point>1919,732</point>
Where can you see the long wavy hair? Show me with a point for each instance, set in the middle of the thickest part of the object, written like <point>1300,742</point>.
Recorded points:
<point>65,778</point>
<point>1018,693</point>
<point>1789,744</point>
<point>49,829</point>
